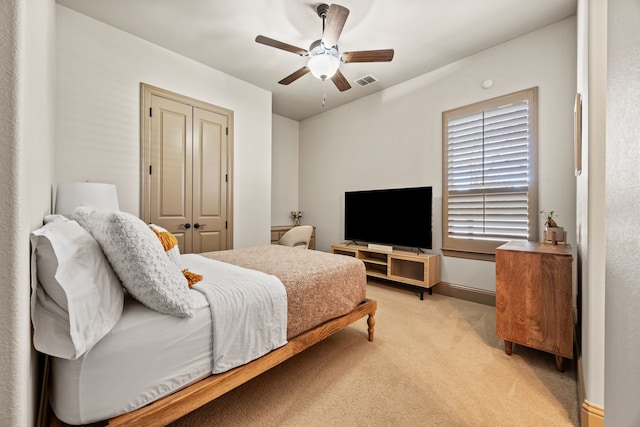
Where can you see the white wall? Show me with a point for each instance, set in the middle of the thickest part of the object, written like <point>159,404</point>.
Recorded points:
<point>590,194</point>
<point>622,336</point>
<point>284,167</point>
<point>99,71</point>
<point>393,138</point>
<point>27,32</point>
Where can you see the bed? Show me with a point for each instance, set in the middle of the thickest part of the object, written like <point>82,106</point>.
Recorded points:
<point>151,368</point>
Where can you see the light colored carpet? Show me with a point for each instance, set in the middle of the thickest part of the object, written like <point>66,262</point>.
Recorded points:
<point>433,362</point>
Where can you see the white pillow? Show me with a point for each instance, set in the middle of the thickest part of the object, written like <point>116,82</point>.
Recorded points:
<point>137,256</point>
<point>76,296</point>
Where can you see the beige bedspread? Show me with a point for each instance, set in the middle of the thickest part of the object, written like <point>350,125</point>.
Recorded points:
<point>320,286</point>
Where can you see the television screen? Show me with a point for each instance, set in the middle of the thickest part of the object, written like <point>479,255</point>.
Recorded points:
<point>400,216</point>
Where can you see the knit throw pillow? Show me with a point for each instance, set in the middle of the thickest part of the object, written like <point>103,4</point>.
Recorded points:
<point>139,260</point>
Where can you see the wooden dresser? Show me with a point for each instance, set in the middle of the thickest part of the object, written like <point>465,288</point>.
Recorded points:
<point>534,297</point>
<point>278,230</point>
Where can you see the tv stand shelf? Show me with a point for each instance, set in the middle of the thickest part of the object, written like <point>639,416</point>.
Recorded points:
<point>417,270</point>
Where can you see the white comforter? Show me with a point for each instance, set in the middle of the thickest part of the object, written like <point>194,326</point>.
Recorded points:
<point>248,311</point>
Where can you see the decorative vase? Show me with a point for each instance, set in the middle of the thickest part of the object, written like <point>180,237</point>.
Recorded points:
<point>554,234</point>
<point>296,216</point>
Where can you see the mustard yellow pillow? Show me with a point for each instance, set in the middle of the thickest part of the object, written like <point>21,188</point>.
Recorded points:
<point>170,245</point>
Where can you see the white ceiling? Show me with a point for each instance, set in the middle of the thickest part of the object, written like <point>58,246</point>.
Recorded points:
<point>425,34</point>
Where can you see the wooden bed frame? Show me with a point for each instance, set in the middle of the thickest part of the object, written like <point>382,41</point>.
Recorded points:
<point>172,407</point>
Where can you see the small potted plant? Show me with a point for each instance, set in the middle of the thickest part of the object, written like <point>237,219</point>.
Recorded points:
<point>296,216</point>
<point>553,232</point>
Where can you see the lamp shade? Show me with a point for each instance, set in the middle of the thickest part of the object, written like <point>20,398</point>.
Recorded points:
<point>70,195</point>
<point>323,65</point>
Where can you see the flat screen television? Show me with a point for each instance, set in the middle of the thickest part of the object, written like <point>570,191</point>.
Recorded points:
<point>398,216</point>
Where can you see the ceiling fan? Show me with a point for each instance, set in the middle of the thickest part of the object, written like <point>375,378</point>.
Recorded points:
<point>324,56</point>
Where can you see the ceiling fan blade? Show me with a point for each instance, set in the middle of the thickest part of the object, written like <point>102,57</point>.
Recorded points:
<point>340,81</point>
<point>280,45</point>
<point>336,18</point>
<point>382,55</point>
<point>294,76</point>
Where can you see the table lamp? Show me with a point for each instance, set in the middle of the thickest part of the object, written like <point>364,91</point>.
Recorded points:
<point>70,195</point>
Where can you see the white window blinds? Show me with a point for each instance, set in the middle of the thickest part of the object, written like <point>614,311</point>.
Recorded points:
<point>489,171</point>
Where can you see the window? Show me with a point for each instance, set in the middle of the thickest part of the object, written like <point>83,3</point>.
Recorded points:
<point>489,174</point>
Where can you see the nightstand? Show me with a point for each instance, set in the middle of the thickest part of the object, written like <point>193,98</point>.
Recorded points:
<point>533,297</point>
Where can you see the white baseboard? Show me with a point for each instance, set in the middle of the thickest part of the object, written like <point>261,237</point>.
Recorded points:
<point>591,415</point>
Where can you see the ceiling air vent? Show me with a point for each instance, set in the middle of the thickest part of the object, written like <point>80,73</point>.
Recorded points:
<point>366,80</point>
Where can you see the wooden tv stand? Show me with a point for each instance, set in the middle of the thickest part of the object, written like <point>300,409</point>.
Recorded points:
<point>418,270</point>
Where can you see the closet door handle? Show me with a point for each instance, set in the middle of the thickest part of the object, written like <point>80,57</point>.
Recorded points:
<point>196,225</point>
<point>187,226</point>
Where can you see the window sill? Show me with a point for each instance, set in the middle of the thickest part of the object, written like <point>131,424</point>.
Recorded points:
<point>458,253</point>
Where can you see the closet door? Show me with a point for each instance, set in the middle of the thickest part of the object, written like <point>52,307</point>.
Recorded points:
<point>186,174</point>
<point>210,177</point>
<point>170,170</point>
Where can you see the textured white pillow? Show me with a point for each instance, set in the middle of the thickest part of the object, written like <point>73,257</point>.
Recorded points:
<point>137,256</point>
<point>76,296</point>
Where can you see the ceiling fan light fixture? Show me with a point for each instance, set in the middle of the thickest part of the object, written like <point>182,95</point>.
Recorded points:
<point>323,66</point>
<point>324,59</point>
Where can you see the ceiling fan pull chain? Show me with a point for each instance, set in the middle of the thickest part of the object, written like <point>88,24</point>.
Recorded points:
<point>324,92</point>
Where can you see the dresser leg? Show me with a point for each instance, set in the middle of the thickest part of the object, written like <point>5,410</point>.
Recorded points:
<point>559,363</point>
<point>508,347</point>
